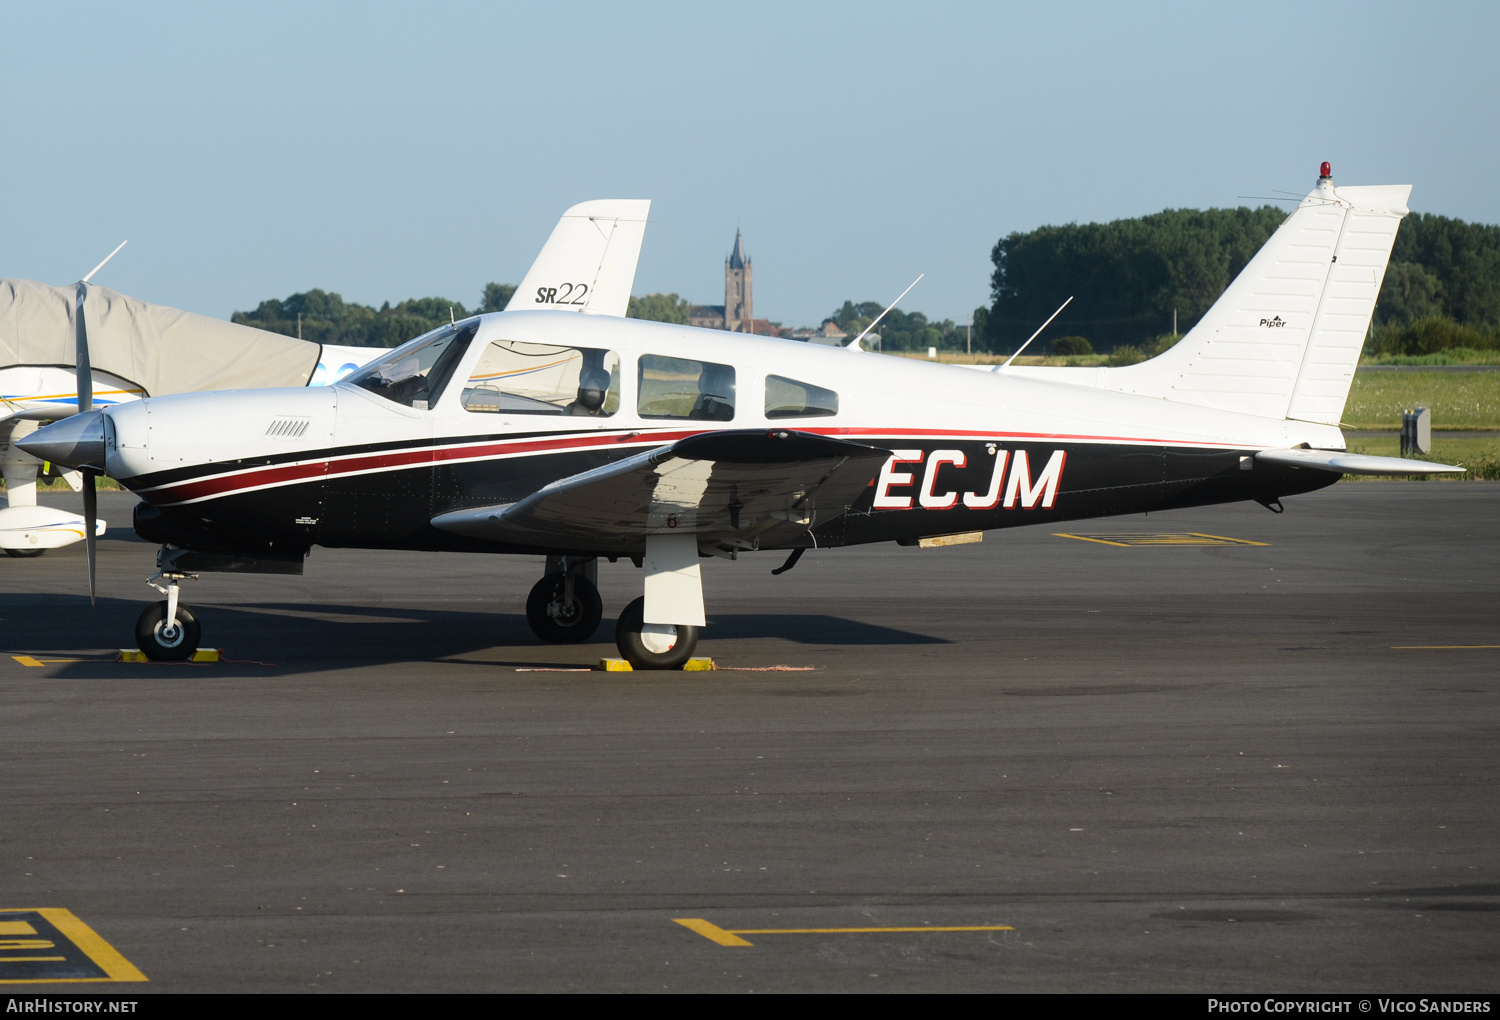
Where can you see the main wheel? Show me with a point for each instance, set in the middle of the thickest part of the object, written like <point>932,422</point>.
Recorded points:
<point>24,553</point>
<point>559,622</point>
<point>164,645</point>
<point>653,645</point>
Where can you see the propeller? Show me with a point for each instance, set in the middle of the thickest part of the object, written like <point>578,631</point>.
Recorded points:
<point>85,405</point>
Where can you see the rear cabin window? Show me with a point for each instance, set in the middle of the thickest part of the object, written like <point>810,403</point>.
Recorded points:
<point>515,377</point>
<point>789,398</point>
<point>691,390</point>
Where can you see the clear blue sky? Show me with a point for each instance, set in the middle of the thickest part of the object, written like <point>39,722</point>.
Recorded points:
<point>390,151</point>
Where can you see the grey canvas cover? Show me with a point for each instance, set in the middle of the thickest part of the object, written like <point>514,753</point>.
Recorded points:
<point>162,350</point>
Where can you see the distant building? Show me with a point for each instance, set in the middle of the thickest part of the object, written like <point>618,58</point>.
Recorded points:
<point>737,312</point>
<point>828,333</point>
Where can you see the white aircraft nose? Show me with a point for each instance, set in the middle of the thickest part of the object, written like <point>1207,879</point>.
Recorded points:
<point>75,442</point>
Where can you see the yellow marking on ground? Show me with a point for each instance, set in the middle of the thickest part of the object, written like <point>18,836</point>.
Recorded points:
<point>104,955</point>
<point>27,660</point>
<point>1231,541</point>
<point>1434,647</point>
<point>712,932</point>
<point>728,937</point>
<point>1086,538</point>
<point>864,931</point>
<point>1167,538</point>
<point>33,959</point>
<point>16,928</point>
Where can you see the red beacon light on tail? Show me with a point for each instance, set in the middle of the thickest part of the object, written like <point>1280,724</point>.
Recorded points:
<point>1325,171</point>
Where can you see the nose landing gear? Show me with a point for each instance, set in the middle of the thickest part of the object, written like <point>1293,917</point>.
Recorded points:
<point>168,631</point>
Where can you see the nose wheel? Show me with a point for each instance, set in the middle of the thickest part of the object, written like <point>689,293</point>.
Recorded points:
<point>653,645</point>
<point>168,631</point>
<point>167,642</point>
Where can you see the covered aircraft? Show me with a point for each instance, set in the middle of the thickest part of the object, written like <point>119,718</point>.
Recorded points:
<point>584,436</point>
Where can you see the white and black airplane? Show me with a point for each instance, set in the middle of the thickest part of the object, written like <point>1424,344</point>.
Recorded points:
<point>580,436</point>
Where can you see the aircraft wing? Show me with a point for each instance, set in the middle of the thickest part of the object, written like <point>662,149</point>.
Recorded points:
<point>588,264</point>
<point>1353,463</point>
<point>730,486</point>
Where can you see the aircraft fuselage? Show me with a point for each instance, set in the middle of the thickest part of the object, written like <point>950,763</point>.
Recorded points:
<point>971,450</point>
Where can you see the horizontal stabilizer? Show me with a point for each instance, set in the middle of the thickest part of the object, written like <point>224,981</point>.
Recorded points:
<point>750,484</point>
<point>1353,463</point>
<point>588,264</point>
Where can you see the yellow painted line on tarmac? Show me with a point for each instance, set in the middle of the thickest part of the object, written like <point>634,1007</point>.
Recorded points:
<point>711,931</point>
<point>1163,538</point>
<point>27,660</point>
<point>732,937</point>
<point>87,957</point>
<point>1436,647</point>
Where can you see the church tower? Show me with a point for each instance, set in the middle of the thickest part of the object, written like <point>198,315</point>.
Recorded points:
<point>739,311</point>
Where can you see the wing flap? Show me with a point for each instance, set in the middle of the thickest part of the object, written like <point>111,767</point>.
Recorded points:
<point>1354,463</point>
<point>740,484</point>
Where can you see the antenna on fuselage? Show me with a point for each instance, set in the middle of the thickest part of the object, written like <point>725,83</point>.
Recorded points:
<point>855,342</point>
<point>1037,333</point>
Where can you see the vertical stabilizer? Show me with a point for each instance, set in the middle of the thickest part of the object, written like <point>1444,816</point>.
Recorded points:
<point>588,264</point>
<point>1284,340</point>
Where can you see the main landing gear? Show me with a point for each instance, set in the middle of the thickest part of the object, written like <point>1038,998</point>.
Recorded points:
<point>564,606</point>
<point>653,645</point>
<point>168,631</point>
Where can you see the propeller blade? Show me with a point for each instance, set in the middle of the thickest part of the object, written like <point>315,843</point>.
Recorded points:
<point>85,370</point>
<point>91,530</point>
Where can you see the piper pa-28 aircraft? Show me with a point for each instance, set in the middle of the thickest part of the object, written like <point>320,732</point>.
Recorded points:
<point>580,436</point>
<point>138,349</point>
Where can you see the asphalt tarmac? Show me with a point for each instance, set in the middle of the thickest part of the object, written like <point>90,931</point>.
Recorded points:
<point>1160,767</point>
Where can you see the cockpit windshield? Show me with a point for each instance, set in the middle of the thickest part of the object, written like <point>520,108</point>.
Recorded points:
<point>415,373</point>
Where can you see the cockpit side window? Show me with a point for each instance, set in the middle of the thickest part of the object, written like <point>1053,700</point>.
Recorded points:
<point>680,388</point>
<point>791,398</point>
<point>516,377</point>
<point>416,373</point>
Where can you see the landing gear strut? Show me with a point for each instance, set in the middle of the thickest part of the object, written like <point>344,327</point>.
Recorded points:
<point>564,606</point>
<point>168,631</point>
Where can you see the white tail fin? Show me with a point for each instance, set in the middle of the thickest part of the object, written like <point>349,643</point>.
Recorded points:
<point>588,264</point>
<point>1284,340</point>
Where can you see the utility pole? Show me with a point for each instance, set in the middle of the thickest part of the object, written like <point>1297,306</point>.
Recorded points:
<point>1174,320</point>
<point>970,343</point>
<point>299,325</point>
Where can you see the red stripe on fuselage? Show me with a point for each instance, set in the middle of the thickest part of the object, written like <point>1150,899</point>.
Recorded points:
<point>338,466</point>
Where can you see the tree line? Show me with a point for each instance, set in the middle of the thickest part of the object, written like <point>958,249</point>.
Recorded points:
<point>326,318</point>
<point>1129,276</point>
<point>1127,279</point>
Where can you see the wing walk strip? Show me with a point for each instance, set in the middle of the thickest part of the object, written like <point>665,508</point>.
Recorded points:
<point>261,477</point>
